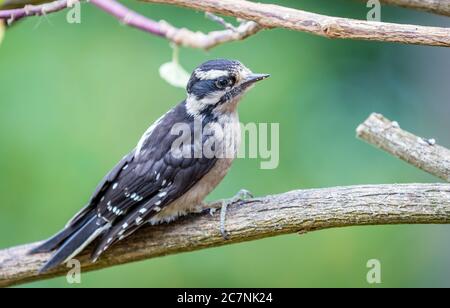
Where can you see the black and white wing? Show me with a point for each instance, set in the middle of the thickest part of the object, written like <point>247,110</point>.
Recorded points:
<point>152,180</point>
<point>104,185</point>
<point>143,183</point>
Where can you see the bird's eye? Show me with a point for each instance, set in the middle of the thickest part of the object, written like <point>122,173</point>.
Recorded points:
<point>224,82</point>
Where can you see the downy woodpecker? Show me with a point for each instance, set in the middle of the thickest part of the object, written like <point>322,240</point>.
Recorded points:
<point>160,181</point>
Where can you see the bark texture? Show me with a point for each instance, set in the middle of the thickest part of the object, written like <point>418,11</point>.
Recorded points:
<point>421,152</point>
<point>298,211</point>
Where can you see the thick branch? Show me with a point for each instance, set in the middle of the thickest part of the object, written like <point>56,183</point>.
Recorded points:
<point>275,16</point>
<point>420,152</point>
<point>297,211</point>
<point>441,7</point>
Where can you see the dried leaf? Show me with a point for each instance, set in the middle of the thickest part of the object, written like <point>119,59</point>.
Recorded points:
<point>174,74</point>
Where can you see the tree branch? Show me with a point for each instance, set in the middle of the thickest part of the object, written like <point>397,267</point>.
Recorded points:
<point>187,38</point>
<point>183,37</point>
<point>13,15</point>
<point>297,211</point>
<point>275,16</point>
<point>441,7</point>
<point>263,16</point>
<point>420,152</point>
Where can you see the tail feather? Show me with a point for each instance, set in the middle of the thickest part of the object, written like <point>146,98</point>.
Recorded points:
<point>76,243</point>
<point>56,240</point>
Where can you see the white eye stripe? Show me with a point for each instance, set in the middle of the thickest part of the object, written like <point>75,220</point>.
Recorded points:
<point>211,74</point>
<point>211,99</point>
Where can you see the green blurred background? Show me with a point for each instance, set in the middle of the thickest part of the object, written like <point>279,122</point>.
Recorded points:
<point>75,98</point>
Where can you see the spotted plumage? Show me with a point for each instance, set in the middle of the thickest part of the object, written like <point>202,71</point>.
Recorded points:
<point>154,183</point>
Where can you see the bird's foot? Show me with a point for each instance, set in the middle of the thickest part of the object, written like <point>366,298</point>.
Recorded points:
<point>242,195</point>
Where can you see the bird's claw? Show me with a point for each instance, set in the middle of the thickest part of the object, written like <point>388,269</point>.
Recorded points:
<point>223,214</point>
<point>212,211</point>
<point>242,195</point>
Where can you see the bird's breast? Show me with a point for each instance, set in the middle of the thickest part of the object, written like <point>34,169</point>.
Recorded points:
<point>229,137</point>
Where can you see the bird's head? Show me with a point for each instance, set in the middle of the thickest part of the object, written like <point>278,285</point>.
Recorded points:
<point>217,85</point>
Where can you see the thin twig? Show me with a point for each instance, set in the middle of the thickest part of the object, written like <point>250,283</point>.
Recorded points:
<point>129,17</point>
<point>441,7</point>
<point>275,16</point>
<point>297,211</point>
<point>187,38</point>
<point>420,152</point>
<point>35,10</point>
<point>183,37</point>
<point>220,21</point>
<point>180,36</point>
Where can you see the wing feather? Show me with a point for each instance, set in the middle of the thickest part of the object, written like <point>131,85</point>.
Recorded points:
<point>154,178</point>
<point>102,187</point>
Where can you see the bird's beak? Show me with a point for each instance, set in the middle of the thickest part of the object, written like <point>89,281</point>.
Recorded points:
<point>255,78</point>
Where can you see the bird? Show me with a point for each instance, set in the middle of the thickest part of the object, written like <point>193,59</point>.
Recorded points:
<point>167,175</point>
